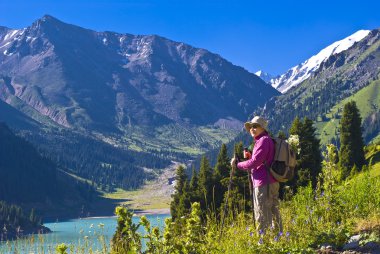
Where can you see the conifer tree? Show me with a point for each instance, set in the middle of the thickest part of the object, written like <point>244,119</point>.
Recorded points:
<point>351,140</point>
<point>193,186</point>
<point>240,192</point>
<point>221,171</point>
<point>295,128</point>
<point>205,183</point>
<point>309,160</point>
<point>194,180</point>
<point>176,206</point>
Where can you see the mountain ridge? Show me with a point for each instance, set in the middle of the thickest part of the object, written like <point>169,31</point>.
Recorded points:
<point>337,78</point>
<point>138,79</point>
<point>302,71</point>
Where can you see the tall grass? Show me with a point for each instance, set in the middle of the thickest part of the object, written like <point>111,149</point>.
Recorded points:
<point>327,214</point>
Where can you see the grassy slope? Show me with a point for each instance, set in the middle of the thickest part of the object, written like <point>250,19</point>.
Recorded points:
<point>367,100</point>
<point>153,195</point>
<point>173,137</point>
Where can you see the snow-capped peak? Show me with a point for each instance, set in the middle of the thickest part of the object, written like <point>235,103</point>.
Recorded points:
<point>299,73</point>
<point>264,76</point>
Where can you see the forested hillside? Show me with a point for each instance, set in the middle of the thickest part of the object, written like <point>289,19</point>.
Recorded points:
<point>15,223</point>
<point>106,166</point>
<point>32,181</point>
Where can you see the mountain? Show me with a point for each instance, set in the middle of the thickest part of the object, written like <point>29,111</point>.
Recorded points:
<point>301,72</point>
<point>264,76</point>
<point>338,78</point>
<point>107,82</point>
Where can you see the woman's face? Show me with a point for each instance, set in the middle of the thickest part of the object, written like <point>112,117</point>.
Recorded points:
<point>256,130</point>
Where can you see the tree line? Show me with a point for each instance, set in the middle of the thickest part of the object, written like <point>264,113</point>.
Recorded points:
<point>15,222</point>
<point>106,166</point>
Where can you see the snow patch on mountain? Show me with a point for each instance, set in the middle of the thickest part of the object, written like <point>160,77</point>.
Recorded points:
<point>264,76</point>
<point>299,73</point>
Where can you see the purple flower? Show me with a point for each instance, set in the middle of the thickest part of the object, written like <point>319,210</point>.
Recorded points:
<point>261,232</point>
<point>261,241</point>
<point>276,238</point>
<point>251,234</point>
<point>287,234</point>
<point>280,234</point>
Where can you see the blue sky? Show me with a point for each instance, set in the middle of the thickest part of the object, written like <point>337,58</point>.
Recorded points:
<point>268,35</point>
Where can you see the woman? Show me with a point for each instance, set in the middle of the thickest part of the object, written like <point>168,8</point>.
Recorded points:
<point>265,187</point>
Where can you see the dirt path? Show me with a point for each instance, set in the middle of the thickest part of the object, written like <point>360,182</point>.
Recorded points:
<point>154,197</point>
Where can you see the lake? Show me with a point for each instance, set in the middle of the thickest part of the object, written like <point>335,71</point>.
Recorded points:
<point>90,234</point>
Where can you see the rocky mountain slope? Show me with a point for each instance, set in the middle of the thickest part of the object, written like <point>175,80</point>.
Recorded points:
<point>338,77</point>
<point>303,71</point>
<point>107,81</point>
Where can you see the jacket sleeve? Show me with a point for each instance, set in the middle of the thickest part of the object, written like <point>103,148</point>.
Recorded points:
<point>258,157</point>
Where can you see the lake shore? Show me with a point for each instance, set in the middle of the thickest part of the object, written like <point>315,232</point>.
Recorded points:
<point>152,211</point>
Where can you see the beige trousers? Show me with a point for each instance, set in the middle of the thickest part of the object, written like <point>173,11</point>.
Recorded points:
<point>267,212</point>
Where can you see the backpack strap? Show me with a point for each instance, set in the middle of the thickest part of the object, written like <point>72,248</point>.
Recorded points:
<point>278,149</point>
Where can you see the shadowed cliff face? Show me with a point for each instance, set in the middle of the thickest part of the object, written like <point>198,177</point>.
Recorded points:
<point>104,81</point>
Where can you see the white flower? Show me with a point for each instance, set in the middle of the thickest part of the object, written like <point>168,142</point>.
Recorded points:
<point>294,143</point>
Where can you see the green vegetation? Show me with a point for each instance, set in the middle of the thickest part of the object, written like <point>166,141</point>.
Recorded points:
<point>309,157</point>
<point>351,155</point>
<point>327,210</point>
<point>15,223</point>
<point>368,103</point>
<point>327,214</point>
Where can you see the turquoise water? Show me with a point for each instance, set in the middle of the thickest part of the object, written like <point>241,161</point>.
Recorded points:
<point>89,234</point>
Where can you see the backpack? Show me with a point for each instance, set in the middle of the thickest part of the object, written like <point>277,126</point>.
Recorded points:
<point>284,162</point>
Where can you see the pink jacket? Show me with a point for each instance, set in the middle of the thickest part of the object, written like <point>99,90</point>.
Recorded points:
<point>262,151</point>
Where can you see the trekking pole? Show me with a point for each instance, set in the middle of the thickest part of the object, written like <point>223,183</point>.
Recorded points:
<point>252,198</point>
<point>228,194</point>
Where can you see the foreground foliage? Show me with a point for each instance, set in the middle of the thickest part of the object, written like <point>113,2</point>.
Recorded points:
<point>326,214</point>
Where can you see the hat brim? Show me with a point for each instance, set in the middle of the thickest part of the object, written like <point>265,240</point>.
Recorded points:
<point>248,125</point>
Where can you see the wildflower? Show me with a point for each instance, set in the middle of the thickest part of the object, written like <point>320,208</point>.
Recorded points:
<point>261,232</point>
<point>276,238</point>
<point>251,234</point>
<point>260,241</point>
<point>280,234</point>
<point>247,228</point>
<point>287,234</point>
